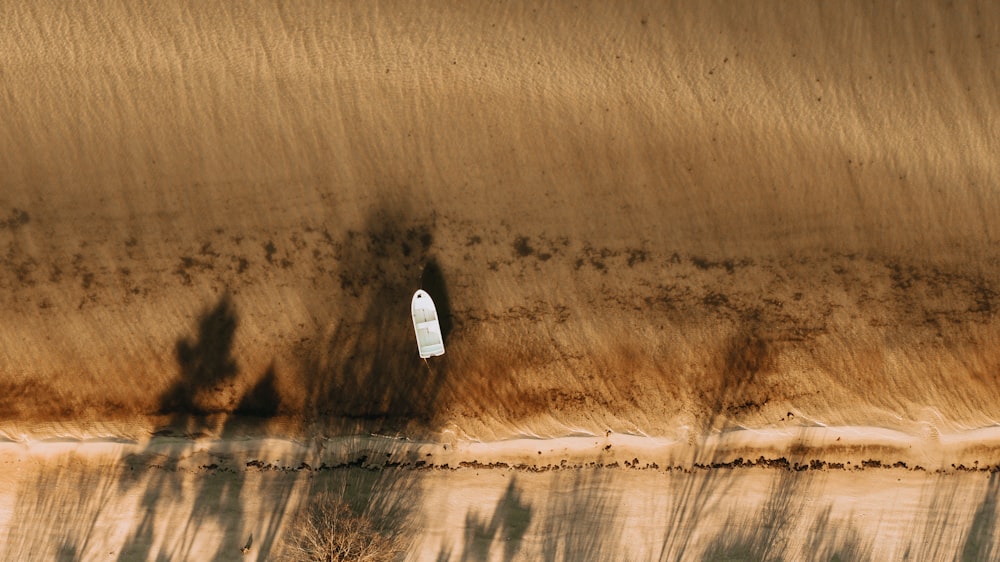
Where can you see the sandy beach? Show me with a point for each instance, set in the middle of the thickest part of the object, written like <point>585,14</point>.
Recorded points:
<point>717,280</point>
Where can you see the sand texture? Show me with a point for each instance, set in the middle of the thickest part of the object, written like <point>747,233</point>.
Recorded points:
<point>710,230</point>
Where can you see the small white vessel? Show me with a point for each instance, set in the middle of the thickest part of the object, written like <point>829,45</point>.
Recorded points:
<point>430,342</point>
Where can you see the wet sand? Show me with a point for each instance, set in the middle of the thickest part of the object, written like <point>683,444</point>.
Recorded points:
<point>745,229</point>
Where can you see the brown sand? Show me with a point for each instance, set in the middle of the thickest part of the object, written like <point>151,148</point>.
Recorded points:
<point>663,221</point>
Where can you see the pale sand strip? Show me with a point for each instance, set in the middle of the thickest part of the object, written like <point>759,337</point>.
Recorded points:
<point>850,446</point>
<point>132,502</point>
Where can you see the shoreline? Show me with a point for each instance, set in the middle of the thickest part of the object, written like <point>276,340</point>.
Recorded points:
<point>850,447</point>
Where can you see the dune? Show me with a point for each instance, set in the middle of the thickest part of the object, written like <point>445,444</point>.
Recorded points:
<point>725,240</point>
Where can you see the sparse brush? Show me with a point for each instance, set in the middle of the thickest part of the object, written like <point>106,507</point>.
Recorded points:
<point>329,531</point>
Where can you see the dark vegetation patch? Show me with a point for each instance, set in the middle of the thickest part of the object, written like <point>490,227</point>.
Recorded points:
<point>389,254</point>
<point>206,250</point>
<point>596,257</point>
<point>15,220</point>
<point>23,266</point>
<point>188,265</point>
<point>423,234</point>
<point>902,277</point>
<point>31,399</point>
<point>522,247</point>
<point>715,299</point>
<point>636,256</point>
<point>704,264</point>
<point>269,251</point>
<point>983,299</point>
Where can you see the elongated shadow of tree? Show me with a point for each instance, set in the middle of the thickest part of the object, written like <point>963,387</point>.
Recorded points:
<point>367,369</point>
<point>206,387</point>
<point>932,538</point>
<point>836,541</point>
<point>61,509</point>
<point>763,536</point>
<point>206,366</point>
<point>364,374</point>
<point>980,542</point>
<point>579,522</point>
<point>745,357</point>
<point>695,500</point>
<point>583,524</point>
<point>506,526</point>
<point>208,372</point>
<point>263,400</point>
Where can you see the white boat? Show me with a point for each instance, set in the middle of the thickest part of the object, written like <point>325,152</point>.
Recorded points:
<point>430,342</point>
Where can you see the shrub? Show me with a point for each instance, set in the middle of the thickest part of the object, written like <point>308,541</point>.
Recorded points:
<point>329,531</point>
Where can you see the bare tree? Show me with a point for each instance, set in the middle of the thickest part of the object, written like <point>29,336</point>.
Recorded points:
<point>329,531</point>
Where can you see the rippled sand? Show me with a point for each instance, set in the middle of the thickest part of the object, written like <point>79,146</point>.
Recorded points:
<point>659,221</point>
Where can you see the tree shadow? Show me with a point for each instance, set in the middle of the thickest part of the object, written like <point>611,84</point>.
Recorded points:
<point>766,534</point>
<point>838,541</point>
<point>365,369</point>
<point>745,357</point>
<point>980,542</point>
<point>205,397</point>
<point>263,400</point>
<point>583,524</point>
<point>940,507</point>
<point>205,363</point>
<point>763,536</point>
<point>691,505</point>
<point>579,522</point>
<point>507,526</point>
<point>62,510</point>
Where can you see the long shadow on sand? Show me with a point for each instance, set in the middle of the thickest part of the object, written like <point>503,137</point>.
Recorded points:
<point>364,375</point>
<point>506,526</point>
<point>582,524</point>
<point>62,509</point>
<point>206,365</point>
<point>746,356</point>
<point>365,369</point>
<point>980,542</point>
<point>203,399</point>
<point>73,507</point>
<point>579,521</point>
<point>764,533</point>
